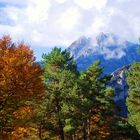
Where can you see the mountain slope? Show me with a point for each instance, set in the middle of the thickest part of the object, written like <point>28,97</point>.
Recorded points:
<point>112,51</point>
<point>119,83</point>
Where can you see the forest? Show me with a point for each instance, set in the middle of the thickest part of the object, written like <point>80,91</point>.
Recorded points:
<point>52,100</point>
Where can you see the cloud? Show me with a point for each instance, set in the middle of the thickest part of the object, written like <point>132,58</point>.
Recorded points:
<point>24,23</point>
<point>61,1</point>
<point>88,4</point>
<point>59,22</point>
<point>69,19</point>
<point>98,24</point>
<point>37,11</point>
<point>14,2</point>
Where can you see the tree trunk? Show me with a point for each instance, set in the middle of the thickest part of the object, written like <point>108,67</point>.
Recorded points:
<point>74,136</point>
<point>61,131</point>
<point>89,131</point>
<point>85,130</point>
<point>40,132</point>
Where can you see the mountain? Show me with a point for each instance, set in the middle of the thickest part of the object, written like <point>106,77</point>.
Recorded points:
<point>112,51</point>
<point>115,55</point>
<point>119,83</point>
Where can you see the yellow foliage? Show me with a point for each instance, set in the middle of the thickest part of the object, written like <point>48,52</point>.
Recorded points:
<point>24,113</point>
<point>100,130</point>
<point>24,133</point>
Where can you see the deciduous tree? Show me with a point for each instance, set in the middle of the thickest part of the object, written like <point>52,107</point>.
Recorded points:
<point>20,78</point>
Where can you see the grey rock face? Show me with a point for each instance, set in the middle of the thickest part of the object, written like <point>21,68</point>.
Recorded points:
<point>119,83</point>
<point>112,51</point>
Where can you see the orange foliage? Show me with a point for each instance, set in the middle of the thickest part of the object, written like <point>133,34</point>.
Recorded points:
<point>19,73</point>
<point>24,113</point>
<point>20,79</point>
<point>24,133</point>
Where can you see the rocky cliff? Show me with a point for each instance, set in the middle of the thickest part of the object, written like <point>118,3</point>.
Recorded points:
<point>112,51</point>
<point>119,83</point>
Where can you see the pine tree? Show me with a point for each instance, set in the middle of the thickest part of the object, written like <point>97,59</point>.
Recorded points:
<point>133,99</point>
<point>75,101</point>
<point>96,102</point>
<point>59,77</point>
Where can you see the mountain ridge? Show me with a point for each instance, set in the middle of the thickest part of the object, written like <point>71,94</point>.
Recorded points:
<point>112,51</point>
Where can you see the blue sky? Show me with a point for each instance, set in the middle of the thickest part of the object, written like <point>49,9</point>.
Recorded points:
<point>47,23</point>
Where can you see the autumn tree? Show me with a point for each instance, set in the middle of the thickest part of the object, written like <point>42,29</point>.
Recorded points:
<point>20,79</point>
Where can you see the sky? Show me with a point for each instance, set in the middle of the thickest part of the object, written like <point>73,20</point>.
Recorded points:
<point>47,23</point>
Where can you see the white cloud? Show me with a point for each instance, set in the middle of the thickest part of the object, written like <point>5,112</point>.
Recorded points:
<point>27,21</point>
<point>136,26</point>
<point>14,2</point>
<point>13,13</point>
<point>37,11</point>
<point>16,32</point>
<point>88,4</point>
<point>59,22</point>
<point>61,1</point>
<point>97,25</point>
<point>69,19</point>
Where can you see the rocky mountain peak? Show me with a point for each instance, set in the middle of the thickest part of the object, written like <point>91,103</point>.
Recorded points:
<point>112,51</point>
<point>101,37</point>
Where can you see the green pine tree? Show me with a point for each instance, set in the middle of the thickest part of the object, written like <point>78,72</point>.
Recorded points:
<point>133,99</point>
<point>96,99</point>
<point>59,76</point>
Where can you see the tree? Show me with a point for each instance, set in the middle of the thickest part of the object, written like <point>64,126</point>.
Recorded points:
<point>74,101</point>
<point>133,99</point>
<point>59,77</point>
<point>76,105</point>
<point>97,106</point>
<point>20,79</point>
